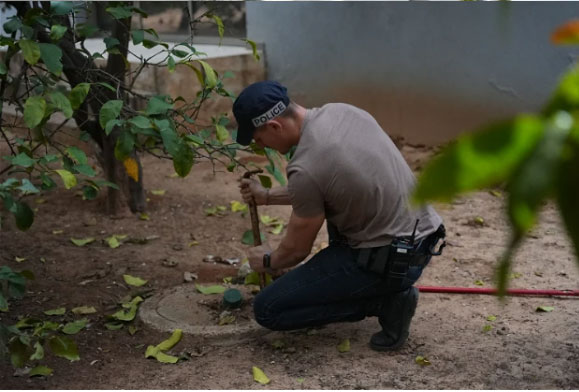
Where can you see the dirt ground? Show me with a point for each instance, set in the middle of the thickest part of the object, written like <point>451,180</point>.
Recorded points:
<point>523,350</point>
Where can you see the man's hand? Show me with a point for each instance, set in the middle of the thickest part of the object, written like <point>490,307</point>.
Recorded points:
<point>249,188</point>
<point>255,256</point>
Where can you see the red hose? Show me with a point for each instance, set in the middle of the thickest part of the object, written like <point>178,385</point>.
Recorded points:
<point>480,290</point>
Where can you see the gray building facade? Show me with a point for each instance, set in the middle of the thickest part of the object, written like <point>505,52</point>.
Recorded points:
<point>426,70</point>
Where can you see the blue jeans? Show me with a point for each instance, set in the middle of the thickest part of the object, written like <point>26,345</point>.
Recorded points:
<point>329,288</point>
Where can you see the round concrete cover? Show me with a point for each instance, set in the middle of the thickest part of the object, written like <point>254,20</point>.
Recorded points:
<point>184,308</point>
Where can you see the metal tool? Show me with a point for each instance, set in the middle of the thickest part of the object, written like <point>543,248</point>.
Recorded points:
<point>255,223</point>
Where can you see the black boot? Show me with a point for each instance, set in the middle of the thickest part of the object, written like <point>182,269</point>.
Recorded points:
<point>395,316</point>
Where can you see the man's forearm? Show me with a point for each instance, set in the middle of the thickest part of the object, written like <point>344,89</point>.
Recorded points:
<point>285,257</point>
<point>278,196</point>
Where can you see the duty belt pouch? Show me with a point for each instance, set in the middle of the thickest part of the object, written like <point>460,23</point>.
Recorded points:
<point>374,259</point>
<point>391,261</point>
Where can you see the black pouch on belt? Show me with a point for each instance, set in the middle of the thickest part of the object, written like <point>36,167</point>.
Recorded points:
<point>391,260</point>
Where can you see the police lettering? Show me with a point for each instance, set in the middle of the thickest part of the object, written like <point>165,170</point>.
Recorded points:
<point>272,113</point>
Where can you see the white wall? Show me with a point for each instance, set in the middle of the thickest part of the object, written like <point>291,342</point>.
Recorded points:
<point>425,70</point>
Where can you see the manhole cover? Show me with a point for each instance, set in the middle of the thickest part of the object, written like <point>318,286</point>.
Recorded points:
<point>198,314</point>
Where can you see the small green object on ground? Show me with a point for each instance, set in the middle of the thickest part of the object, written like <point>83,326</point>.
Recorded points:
<point>232,298</point>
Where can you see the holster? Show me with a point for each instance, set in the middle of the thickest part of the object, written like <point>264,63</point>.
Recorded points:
<point>393,261</point>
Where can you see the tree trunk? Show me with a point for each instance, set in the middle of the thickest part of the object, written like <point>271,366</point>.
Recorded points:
<point>76,66</point>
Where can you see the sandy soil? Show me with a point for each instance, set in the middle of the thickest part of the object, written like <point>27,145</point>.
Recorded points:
<point>523,350</point>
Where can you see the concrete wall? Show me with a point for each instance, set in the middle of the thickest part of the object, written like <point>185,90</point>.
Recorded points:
<point>427,71</point>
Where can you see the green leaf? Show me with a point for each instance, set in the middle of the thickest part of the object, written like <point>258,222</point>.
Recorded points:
<point>114,326</point>
<point>40,371</point>
<point>487,328</point>
<point>479,282</point>
<point>19,353</point>
<point>545,309</point>
<point>237,206</point>
<point>107,86</point>
<point>120,12</point>
<point>38,352</point>
<point>247,238</point>
<point>86,170</point>
<point>113,243</point>
<point>160,356</point>
<point>253,279</point>
<point>111,125</point>
<point>55,312</point>
<point>125,145</point>
<point>74,327</point>
<point>172,341</point>
<point>491,318</point>
<point>344,346</point>
<point>57,32</point>
<point>479,160</point>
<point>277,174</point>
<point>567,190</point>
<point>277,229</point>
<point>179,53</point>
<point>210,80</point>
<point>220,27</point>
<point>171,139</point>
<point>3,303</point>
<point>156,351</point>
<point>207,290</point>
<point>130,310</point>
<point>110,111</point>
<point>27,188</point>
<point>82,241</point>
<point>23,160</point>
<point>183,159</point>
<point>61,7</point>
<point>259,376</point>
<point>30,51</point>
<point>222,133</point>
<point>134,280</point>
<point>78,94</point>
<point>253,48</point>
<point>111,43</point>
<point>52,57</point>
<point>61,102</point>
<point>77,155</point>
<point>534,180</point>
<point>422,361</point>
<point>138,36</point>
<point>171,64</point>
<point>84,310</point>
<point>566,95</point>
<point>140,122</point>
<point>68,179</point>
<point>23,214</point>
<point>265,181</point>
<point>64,347</point>
<point>34,111</point>
<point>12,25</point>
<point>158,105</point>
<point>86,31</point>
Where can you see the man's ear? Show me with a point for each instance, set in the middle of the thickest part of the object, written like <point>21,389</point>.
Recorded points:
<point>275,125</point>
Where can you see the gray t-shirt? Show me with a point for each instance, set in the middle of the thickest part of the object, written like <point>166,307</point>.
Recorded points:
<point>348,168</point>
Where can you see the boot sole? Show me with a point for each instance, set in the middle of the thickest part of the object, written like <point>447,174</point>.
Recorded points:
<point>393,347</point>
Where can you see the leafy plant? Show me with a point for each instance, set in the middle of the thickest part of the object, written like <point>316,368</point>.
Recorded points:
<point>536,155</point>
<point>47,73</point>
